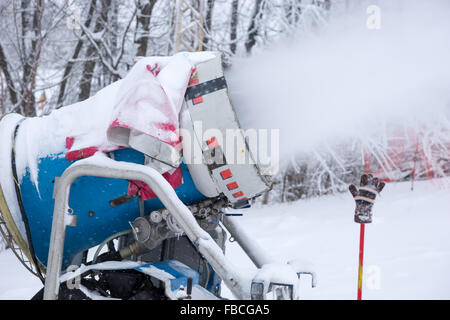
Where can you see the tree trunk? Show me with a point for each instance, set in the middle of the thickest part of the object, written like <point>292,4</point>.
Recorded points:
<point>143,26</point>
<point>253,28</point>
<point>234,24</point>
<point>207,23</point>
<point>89,66</point>
<point>31,24</point>
<point>70,63</point>
<point>9,83</point>
<point>2,96</point>
<point>283,189</point>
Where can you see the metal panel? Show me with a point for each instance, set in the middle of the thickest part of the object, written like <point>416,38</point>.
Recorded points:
<point>217,118</point>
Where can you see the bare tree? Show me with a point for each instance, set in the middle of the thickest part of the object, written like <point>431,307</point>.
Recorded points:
<point>253,27</point>
<point>91,52</point>
<point>143,25</point>
<point>39,51</point>
<point>31,43</point>
<point>8,79</point>
<point>207,23</point>
<point>234,25</point>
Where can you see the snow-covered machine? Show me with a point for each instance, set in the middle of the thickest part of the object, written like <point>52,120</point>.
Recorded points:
<point>101,200</point>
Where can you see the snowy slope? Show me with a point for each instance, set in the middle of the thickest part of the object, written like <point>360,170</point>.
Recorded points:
<point>407,247</point>
<point>15,281</point>
<point>407,254</point>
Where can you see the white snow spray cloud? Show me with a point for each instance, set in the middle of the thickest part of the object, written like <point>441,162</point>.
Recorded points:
<point>346,79</point>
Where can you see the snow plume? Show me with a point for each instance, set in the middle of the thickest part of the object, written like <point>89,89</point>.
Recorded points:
<point>349,80</point>
<point>2,243</point>
<point>347,92</point>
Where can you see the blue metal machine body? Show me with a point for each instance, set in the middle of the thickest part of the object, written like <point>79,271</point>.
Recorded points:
<point>90,200</point>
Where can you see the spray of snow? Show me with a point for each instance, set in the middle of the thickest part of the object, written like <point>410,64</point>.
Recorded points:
<point>347,80</point>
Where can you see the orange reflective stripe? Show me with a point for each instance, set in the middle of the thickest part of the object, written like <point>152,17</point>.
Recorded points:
<point>225,174</point>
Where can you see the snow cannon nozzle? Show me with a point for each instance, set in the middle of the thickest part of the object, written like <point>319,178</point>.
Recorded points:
<point>365,197</point>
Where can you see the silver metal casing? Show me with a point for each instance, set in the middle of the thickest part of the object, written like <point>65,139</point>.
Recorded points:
<point>214,146</point>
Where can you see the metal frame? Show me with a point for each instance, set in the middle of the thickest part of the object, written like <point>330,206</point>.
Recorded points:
<point>258,256</point>
<point>252,249</point>
<point>101,166</point>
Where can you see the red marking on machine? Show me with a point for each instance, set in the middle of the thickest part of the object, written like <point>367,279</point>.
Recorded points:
<point>212,143</point>
<point>238,194</point>
<point>69,142</point>
<point>166,126</point>
<point>194,79</point>
<point>232,186</point>
<point>81,154</point>
<point>197,100</point>
<point>192,82</point>
<point>141,189</point>
<point>226,174</point>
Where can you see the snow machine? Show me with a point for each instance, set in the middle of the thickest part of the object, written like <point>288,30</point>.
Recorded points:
<point>123,196</point>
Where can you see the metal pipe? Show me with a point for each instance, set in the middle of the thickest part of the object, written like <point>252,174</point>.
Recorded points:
<point>101,166</point>
<point>250,247</point>
<point>101,245</point>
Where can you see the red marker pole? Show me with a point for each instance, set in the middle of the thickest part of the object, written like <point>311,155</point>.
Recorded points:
<point>364,198</point>
<point>361,259</point>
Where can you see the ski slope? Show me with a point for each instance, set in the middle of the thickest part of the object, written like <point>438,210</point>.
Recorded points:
<point>407,252</point>
<point>407,247</point>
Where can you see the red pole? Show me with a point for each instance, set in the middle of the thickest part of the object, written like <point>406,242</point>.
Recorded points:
<point>415,163</point>
<point>361,258</point>
<point>361,236</point>
<point>366,161</point>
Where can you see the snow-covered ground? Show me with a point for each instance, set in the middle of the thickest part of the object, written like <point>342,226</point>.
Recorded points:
<point>407,247</point>
<point>407,253</point>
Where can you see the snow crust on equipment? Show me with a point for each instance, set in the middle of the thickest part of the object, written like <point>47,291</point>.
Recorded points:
<point>46,136</point>
<point>93,295</point>
<point>108,265</point>
<point>88,121</point>
<point>150,99</point>
<point>7,126</point>
<point>277,273</point>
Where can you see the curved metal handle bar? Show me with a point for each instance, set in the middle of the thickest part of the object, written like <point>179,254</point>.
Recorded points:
<point>251,248</point>
<point>101,166</point>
